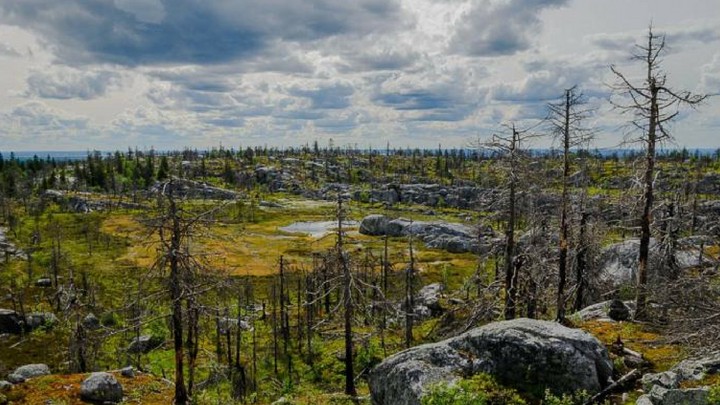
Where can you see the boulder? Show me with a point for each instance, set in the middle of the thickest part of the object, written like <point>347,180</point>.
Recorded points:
<point>36,320</point>
<point>530,355</point>
<point>32,370</point>
<point>43,282</point>
<point>5,385</point>
<point>101,387</point>
<point>10,322</point>
<point>601,311</point>
<point>618,311</point>
<point>15,378</point>
<point>664,396</point>
<point>374,225</point>
<point>128,372</point>
<point>145,344</point>
<point>91,322</point>
<point>429,297</point>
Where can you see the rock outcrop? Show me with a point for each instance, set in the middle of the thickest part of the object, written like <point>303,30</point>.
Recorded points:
<point>664,388</point>
<point>453,237</point>
<point>527,354</point>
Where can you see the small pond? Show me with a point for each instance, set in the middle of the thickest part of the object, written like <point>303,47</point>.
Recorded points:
<point>316,229</point>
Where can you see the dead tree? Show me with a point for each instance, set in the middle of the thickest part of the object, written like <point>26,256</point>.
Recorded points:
<point>347,303</point>
<point>653,105</point>
<point>566,118</point>
<point>509,147</point>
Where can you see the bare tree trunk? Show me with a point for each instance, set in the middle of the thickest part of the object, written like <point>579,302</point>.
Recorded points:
<point>563,251</point>
<point>181,396</point>
<point>510,275</point>
<point>348,307</point>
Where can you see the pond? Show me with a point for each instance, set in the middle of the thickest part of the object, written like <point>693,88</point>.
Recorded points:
<point>317,229</point>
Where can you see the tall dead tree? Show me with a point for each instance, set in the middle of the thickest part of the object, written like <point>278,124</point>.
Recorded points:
<point>566,119</point>
<point>511,155</point>
<point>347,303</point>
<point>653,105</point>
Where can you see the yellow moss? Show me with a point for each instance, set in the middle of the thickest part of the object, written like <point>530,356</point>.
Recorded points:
<point>639,338</point>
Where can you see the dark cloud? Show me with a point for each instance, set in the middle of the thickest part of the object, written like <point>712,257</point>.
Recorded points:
<point>190,31</point>
<point>67,83</point>
<point>382,59</point>
<point>336,96</point>
<point>35,116</point>
<point>503,28</point>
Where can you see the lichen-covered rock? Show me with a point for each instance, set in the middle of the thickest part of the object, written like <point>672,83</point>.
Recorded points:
<point>668,379</point>
<point>32,370</point>
<point>101,387</point>
<point>600,311</point>
<point>523,353</point>
<point>374,225</point>
<point>429,297</point>
<point>663,388</point>
<point>5,385</point>
<point>145,344</point>
<point>15,378</point>
<point>664,396</point>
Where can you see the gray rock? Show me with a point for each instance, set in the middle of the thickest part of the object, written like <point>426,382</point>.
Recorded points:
<point>43,282</point>
<point>10,322</point>
<point>374,225</point>
<point>32,370</point>
<point>128,372</point>
<point>618,261</point>
<point>36,320</point>
<point>101,387</point>
<point>600,311</point>
<point>618,311</point>
<point>90,321</point>
<point>545,355</point>
<point>144,344</point>
<point>429,297</point>
<point>644,400</point>
<point>5,385</point>
<point>15,378</point>
<point>663,396</point>
<point>668,379</point>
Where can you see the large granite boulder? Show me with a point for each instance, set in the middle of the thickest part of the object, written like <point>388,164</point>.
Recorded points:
<point>374,225</point>
<point>526,354</point>
<point>102,388</point>
<point>453,237</point>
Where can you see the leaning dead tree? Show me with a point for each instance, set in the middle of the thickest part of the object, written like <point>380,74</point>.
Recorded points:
<point>566,118</point>
<point>653,104</point>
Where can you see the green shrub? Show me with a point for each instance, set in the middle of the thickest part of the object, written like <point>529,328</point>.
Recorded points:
<point>480,389</point>
<point>714,395</point>
<point>577,398</point>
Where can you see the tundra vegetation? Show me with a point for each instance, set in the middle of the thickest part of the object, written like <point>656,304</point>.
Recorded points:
<point>261,275</point>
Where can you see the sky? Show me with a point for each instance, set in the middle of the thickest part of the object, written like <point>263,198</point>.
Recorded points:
<point>169,74</point>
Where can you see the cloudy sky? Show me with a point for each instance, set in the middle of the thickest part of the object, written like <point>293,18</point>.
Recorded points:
<point>107,74</point>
